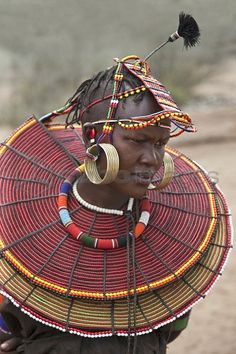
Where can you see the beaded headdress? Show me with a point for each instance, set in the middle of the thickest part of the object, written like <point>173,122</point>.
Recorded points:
<point>139,68</point>
<point>168,107</point>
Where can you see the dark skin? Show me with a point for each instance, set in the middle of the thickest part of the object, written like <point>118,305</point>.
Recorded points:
<point>140,156</point>
<point>9,343</point>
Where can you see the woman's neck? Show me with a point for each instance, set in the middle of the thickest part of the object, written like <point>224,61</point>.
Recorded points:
<point>103,196</point>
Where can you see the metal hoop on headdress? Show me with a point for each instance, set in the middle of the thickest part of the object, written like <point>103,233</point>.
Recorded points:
<point>112,158</point>
<point>168,173</point>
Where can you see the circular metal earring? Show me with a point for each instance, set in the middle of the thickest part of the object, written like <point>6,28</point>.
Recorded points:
<point>112,169</point>
<point>168,173</point>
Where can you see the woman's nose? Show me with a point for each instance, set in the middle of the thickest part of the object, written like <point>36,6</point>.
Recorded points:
<point>152,157</point>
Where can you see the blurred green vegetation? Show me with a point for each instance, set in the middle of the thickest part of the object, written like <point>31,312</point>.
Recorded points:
<point>47,48</point>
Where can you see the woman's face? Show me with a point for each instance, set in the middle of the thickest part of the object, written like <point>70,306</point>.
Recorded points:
<point>140,152</point>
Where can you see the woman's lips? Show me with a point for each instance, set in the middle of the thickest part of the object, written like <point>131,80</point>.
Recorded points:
<point>142,178</point>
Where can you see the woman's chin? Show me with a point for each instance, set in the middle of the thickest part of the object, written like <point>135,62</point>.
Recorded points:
<point>138,192</point>
<point>130,189</point>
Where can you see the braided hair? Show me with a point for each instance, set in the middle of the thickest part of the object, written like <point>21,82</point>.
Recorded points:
<point>99,86</point>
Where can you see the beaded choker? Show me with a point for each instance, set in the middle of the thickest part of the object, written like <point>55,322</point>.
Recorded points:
<point>96,208</point>
<point>87,239</point>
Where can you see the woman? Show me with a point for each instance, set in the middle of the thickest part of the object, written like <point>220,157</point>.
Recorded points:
<point>110,256</point>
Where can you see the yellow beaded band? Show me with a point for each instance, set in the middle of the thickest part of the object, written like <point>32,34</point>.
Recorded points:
<point>146,121</point>
<point>107,128</point>
<point>131,92</point>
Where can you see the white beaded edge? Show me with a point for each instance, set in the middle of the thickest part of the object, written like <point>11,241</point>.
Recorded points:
<point>91,206</point>
<point>118,333</point>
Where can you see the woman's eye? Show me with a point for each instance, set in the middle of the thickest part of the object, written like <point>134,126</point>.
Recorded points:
<point>160,144</point>
<point>138,140</point>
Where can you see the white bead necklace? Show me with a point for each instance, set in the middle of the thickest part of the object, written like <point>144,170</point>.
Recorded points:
<point>99,209</point>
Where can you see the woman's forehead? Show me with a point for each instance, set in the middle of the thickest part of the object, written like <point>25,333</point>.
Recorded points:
<point>126,109</point>
<point>132,108</point>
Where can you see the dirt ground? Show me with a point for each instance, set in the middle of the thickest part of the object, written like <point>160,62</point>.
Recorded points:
<point>212,326</point>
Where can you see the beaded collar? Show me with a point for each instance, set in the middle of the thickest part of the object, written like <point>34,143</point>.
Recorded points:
<point>87,239</point>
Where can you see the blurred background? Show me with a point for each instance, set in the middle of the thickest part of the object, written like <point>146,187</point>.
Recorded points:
<point>47,48</point>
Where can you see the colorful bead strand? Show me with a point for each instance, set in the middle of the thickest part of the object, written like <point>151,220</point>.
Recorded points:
<point>83,237</point>
<point>145,207</point>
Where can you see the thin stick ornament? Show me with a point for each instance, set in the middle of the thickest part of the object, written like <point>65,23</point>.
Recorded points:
<point>188,29</point>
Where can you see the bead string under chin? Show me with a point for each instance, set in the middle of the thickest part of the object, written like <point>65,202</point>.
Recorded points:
<point>85,238</point>
<point>97,208</point>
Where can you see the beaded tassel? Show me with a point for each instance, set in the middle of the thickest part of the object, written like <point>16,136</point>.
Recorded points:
<point>118,77</point>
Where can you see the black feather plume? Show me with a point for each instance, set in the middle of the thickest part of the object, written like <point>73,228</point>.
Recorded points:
<point>189,30</point>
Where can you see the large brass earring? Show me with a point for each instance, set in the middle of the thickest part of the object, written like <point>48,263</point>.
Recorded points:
<point>112,169</point>
<point>168,173</point>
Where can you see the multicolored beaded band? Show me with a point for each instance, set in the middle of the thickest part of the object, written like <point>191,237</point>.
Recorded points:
<point>146,121</point>
<point>118,77</point>
<point>84,238</point>
<point>120,96</point>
